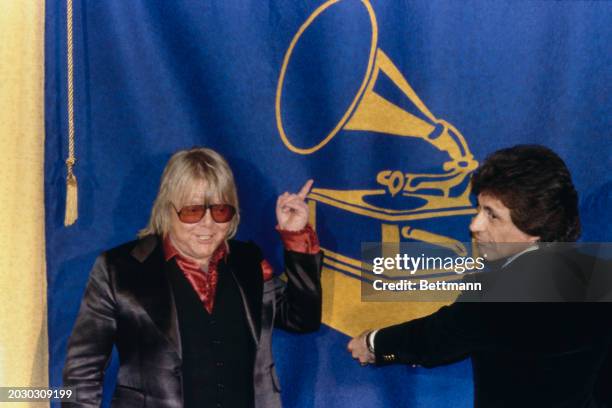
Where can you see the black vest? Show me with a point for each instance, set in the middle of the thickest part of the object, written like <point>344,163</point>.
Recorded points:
<point>218,351</point>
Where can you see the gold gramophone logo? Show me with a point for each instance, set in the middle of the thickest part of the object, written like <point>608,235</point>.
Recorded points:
<point>439,194</point>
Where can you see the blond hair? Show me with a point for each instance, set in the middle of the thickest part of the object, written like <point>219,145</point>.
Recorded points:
<point>185,170</point>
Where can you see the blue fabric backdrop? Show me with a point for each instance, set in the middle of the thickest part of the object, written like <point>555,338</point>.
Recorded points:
<point>152,77</point>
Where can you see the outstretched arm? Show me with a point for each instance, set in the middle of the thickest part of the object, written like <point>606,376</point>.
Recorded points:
<point>447,335</point>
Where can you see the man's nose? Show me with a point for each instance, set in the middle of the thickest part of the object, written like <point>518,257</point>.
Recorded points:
<point>477,223</point>
<point>207,219</point>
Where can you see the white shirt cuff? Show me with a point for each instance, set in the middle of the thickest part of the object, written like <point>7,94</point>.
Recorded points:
<point>370,340</point>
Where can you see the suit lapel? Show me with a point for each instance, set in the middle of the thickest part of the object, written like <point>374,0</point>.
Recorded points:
<point>151,290</point>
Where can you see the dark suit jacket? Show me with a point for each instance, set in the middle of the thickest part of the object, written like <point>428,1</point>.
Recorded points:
<point>128,302</point>
<point>523,354</point>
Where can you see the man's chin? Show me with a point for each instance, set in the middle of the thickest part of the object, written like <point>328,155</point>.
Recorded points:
<point>493,251</point>
<point>489,251</point>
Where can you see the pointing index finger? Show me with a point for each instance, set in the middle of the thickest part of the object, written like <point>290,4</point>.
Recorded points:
<point>305,189</point>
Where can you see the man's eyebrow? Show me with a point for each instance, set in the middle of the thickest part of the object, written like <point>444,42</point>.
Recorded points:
<point>488,209</point>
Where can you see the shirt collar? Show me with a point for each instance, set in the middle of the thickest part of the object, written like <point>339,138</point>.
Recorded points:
<point>533,247</point>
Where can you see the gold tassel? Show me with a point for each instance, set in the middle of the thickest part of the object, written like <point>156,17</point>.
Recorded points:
<point>72,201</point>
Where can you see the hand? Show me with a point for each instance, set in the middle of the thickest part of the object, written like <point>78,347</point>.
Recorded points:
<point>359,349</point>
<point>292,210</point>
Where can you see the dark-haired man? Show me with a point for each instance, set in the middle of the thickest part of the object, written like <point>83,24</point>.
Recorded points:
<point>523,354</point>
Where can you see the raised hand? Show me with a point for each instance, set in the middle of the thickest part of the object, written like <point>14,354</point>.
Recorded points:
<point>292,210</point>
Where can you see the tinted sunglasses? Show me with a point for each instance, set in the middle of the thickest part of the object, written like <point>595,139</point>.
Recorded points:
<point>220,213</point>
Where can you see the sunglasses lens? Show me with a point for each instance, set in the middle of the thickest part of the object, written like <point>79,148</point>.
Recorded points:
<point>192,213</point>
<point>222,212</point>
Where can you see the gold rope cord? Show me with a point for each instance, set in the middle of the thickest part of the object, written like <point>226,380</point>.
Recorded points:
<point>72,206</point>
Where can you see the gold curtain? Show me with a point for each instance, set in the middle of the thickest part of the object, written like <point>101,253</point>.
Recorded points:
<point>23,283</point>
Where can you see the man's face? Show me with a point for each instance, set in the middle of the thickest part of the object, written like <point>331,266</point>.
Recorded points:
<point>198,241</point>
<point>494,231</point>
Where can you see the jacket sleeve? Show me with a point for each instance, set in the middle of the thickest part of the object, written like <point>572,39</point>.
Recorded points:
<point>298,301</point>
<point>92,339</point>
<point>446,336</point>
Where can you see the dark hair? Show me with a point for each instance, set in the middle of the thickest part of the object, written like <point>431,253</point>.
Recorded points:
<point>536,185</point>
